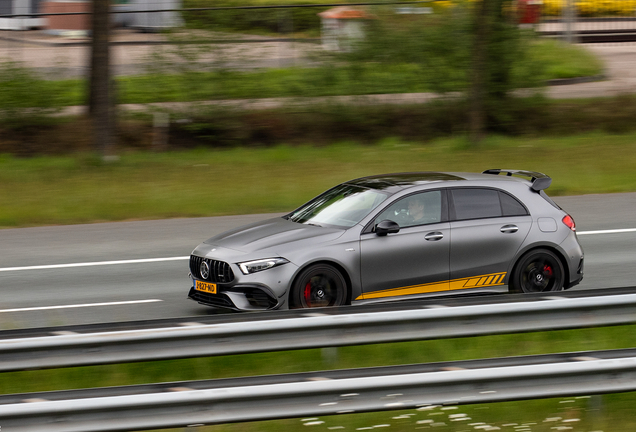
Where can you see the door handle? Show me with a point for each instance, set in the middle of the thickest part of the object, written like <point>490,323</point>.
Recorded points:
<point>509,229</point>
<point>434,236</point>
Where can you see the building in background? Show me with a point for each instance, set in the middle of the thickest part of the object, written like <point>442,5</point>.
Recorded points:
<point>143,19</point>
<point>19,7</point>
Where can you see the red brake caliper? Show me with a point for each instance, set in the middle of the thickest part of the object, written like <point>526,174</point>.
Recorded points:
<point>547,271</point>
<point>307,292</point>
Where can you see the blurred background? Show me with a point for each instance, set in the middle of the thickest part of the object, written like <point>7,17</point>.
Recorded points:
<point>183,55</point>
<point>137,110</point>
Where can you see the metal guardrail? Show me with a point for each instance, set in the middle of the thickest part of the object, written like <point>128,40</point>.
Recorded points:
<point>312,329</point>
<point>182,404</point>
<point>291,397</point>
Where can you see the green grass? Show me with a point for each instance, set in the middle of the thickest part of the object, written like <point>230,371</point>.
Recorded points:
<point>291,82</point>
<point>561,60</point>
<point>203,182</point>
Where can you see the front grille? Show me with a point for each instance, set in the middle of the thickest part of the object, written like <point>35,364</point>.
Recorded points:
<point>220,271</point>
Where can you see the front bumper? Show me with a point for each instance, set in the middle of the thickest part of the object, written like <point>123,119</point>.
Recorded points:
<point>259,291</point>
<point>239,297</point>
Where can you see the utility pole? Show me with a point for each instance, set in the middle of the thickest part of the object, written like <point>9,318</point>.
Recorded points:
<point>100,92</point>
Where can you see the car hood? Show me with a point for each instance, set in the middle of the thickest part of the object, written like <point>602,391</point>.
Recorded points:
<point>278,234</point>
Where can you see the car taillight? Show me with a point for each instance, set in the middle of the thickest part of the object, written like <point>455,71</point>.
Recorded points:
<point>569,222</point>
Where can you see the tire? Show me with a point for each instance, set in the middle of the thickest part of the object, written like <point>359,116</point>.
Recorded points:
<point>539,270</point>
<point>319,285</point>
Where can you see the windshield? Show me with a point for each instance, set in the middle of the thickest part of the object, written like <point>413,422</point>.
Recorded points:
<point>342,206</point>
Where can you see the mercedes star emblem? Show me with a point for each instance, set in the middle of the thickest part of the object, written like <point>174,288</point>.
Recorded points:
<point>205,270</point>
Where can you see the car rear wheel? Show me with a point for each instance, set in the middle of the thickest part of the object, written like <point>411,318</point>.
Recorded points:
<point>320,285</point>
<point>539,270</point>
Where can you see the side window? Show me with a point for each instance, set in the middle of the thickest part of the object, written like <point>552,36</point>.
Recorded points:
<point>510,206</point>
<point>418,209</point>
<point>473,203</point>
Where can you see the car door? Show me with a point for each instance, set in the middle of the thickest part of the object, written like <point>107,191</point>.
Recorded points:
<point>414,260</point>
<point>488,227</point>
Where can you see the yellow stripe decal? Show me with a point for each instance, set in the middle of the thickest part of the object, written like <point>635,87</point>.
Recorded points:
<point>481,281</point>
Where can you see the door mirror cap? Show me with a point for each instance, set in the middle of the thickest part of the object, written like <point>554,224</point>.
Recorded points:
<point>387,227</point>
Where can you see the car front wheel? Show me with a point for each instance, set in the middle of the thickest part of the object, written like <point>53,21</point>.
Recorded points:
<point>320,285</point>
<point>539,270</point>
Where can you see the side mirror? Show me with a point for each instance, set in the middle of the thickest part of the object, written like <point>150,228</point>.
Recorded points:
<point>387,227</point>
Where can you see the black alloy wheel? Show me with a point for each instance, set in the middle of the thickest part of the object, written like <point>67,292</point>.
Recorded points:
<point>320,285</point>
<point>539,270</point>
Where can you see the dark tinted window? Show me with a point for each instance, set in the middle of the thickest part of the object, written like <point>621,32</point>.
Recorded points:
<point>510,206</point>
<point>476,203</point>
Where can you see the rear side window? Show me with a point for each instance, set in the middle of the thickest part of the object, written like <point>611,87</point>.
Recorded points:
<point>510,206</point>
<point>475,203</point>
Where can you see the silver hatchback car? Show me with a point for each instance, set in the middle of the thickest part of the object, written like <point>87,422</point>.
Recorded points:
<point>395,236</point>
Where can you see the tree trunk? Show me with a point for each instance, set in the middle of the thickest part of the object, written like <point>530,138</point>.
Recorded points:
<point>100,107</point>
<point>478,82</point>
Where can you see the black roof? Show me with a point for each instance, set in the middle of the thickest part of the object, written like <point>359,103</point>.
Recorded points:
<point>385,181</point>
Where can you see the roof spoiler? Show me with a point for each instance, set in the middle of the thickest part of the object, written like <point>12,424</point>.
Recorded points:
<point>539,180</point>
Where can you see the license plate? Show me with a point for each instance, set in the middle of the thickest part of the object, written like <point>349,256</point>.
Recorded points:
<point>205,287</point>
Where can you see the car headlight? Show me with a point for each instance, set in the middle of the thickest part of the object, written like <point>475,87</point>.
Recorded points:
<point>250,267</point>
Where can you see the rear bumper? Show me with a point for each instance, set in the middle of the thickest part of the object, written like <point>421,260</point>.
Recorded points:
<point>577,277</point>
<point>573,252</point>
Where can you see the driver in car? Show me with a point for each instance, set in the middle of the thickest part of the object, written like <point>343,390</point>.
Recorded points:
<point>416,211</point>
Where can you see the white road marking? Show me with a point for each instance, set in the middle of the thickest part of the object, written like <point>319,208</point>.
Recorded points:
<point>80,305</point>
<point>91,264</point>
<point>183,258</point>
<point>614,231</point>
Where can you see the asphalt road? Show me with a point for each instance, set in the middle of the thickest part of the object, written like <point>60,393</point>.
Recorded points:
<point>108,272</point>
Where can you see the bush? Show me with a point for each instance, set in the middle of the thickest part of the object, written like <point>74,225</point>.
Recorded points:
<point>325,124</point>
<point>441,45</point>
<point>24,97</point>
<point>535,116</point>
<point>253,20</point>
